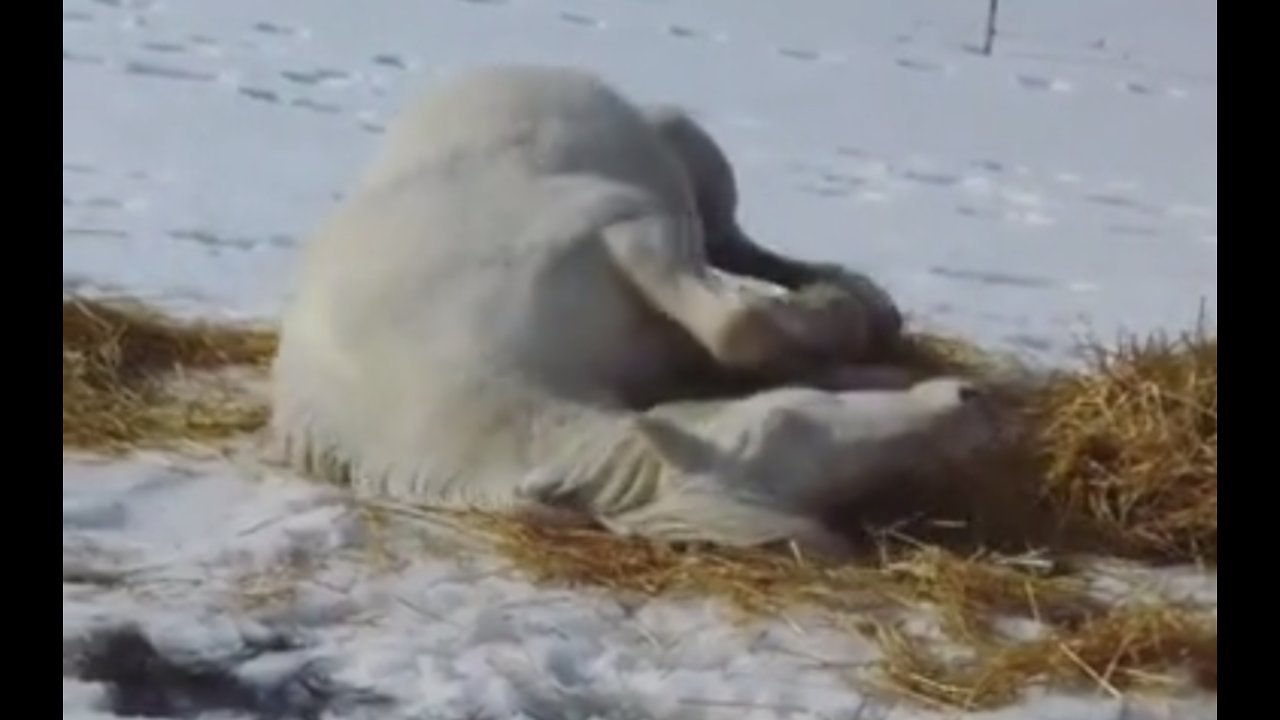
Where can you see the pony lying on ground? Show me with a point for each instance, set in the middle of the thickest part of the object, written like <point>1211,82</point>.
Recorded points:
<point>538,299</point>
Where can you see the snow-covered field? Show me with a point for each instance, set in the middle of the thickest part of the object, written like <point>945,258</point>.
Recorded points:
<point>1066,184</point>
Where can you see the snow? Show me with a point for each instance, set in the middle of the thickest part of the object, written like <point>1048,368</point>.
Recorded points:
<point>1065,185</point>
<point>264,584</point>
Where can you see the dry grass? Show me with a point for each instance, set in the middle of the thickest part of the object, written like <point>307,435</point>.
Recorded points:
<point>1120,457</point>
<point>1084,640</point>
<point>1133,445</point>
<point>1119,651</point>
<point>122,367</point>
<point>1126,449</point>
<point>771,582</point>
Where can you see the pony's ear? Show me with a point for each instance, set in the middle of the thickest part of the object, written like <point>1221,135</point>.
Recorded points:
<point>675,447</point>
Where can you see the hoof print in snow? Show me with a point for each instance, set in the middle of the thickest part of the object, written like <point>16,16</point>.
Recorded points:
<point>581,20</point>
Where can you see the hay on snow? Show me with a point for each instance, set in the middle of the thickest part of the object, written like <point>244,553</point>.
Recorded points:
<point>1126,449</point>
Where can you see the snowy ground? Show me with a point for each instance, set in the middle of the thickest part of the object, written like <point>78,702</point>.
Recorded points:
<point>1068,183</point>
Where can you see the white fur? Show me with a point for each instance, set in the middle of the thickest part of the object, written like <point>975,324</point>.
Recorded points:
<point>522,269</point>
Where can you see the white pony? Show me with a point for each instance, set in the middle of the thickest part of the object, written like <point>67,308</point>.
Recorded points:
<point>527,299</point>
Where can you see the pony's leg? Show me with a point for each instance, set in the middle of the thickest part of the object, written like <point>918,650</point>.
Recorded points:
<point>768,466</point>
<point>745,328</point>
<point>729,248</point>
